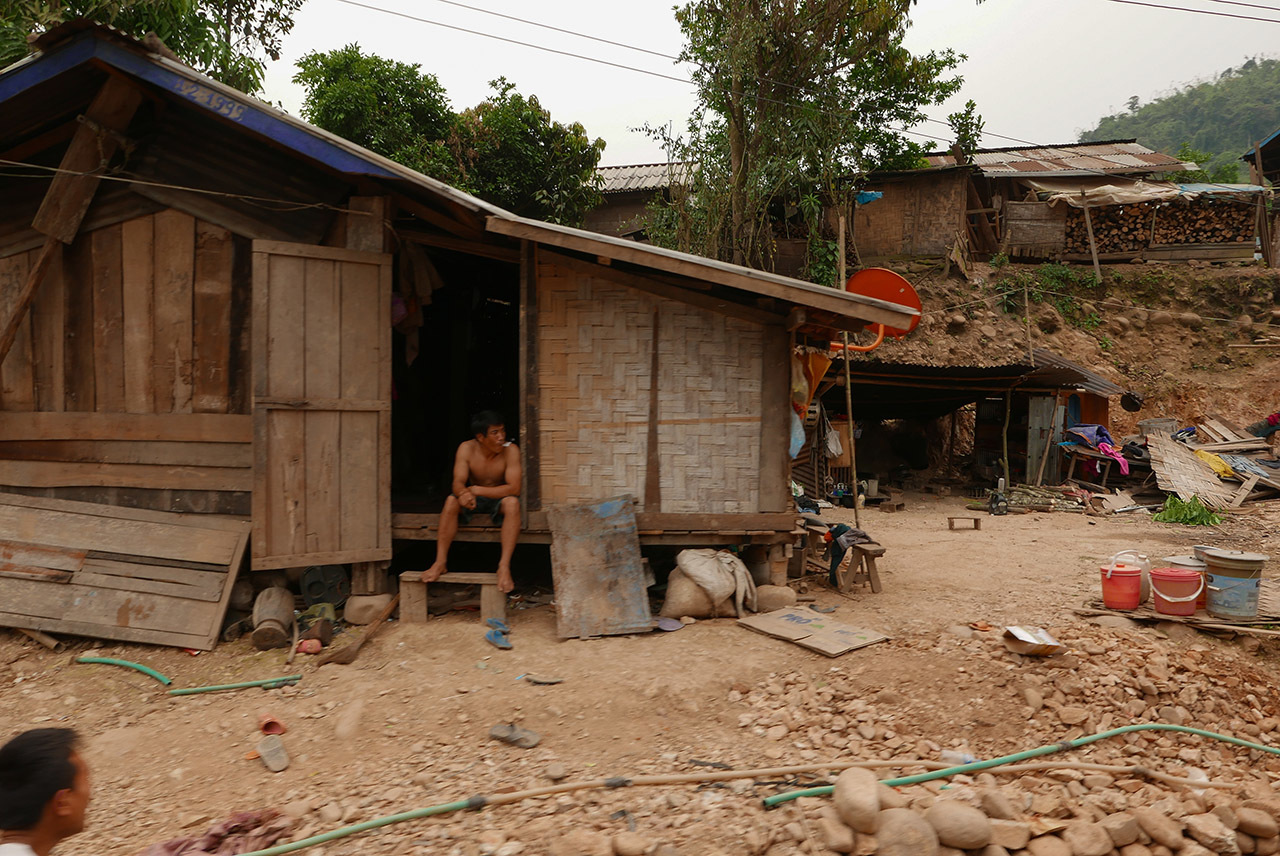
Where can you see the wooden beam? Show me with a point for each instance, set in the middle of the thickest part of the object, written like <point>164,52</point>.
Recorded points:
<point>469,231</point>
<point>530,434</point>
<point>92,146</point>
<point>753,282</point>
<point>661,289</point>
<point>172,427</point>
<point>461,245</point>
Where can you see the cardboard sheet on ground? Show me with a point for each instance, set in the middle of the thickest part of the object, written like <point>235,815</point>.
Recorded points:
<point>811,630</point>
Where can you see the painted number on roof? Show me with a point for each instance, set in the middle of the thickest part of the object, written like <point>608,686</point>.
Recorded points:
<point>215,102</point>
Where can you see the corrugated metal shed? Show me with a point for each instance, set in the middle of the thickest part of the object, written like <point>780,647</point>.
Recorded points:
<point>1114,156</point>
<point>643,176</point>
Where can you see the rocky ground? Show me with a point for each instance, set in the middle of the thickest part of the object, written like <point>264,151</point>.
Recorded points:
<point>406,726</point>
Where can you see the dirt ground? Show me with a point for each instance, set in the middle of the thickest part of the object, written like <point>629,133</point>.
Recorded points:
<point>406,725</point>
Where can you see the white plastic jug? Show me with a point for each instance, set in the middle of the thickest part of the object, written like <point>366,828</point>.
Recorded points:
<point>1134,559</point>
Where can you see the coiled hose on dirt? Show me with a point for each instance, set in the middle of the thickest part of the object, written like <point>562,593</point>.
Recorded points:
<point>945,771</point>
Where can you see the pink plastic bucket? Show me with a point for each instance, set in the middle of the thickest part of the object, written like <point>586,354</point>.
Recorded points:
<point>1175,590</point>
<point>1121,586</point>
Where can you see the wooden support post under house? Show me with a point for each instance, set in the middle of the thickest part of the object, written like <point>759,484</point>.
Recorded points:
<point>1093,244</point>
<point>848,394</point>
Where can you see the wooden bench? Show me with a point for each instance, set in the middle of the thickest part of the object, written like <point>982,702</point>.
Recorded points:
<point>861,567</point>
<point>974,522</point>
<point>413,594</point>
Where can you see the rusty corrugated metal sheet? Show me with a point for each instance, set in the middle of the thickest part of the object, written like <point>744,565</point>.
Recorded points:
<point>1118,156</point>
<point>643,176</point>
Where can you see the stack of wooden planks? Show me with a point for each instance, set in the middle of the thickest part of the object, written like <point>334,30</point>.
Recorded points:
<point>1216,434</point>
<point>107,572</point>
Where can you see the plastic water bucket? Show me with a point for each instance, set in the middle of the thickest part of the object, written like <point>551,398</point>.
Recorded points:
<point>1193,564</point>
<point>1234,580</point>
<point>1175,590</point>
<point>1121,586</point>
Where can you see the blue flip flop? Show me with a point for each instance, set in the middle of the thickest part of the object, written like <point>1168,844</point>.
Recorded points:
<point>497,639</point>
<point>498,624</point>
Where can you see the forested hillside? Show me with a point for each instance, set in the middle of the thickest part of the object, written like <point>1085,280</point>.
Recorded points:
<point>1223,117</point>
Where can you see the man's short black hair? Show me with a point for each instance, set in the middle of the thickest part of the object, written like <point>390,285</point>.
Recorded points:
<point>484,420</point>
<point>34,766</point>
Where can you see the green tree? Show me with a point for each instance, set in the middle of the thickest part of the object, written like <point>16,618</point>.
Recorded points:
<point>506,150</point>
<point>795,98</point>
<point>1228,173</point>
<point>1222,117</point>
<point>230,40</point>
<point>967,126</point>
<point>388,107</point>
<point>514,155</point>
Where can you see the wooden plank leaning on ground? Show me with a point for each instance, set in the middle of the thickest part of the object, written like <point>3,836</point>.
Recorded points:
<point>140,576</point>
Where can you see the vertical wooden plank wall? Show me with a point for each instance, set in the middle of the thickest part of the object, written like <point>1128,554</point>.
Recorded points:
<point>131,324</point>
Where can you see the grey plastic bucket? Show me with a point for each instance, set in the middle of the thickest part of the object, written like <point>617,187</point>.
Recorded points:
<point>1234,580</point>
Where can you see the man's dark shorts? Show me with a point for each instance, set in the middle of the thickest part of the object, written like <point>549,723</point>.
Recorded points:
<point>484,505</point>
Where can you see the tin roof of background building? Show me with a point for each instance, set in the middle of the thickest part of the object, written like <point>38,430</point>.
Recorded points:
<point>1112,156</point>
<point>642,176</point>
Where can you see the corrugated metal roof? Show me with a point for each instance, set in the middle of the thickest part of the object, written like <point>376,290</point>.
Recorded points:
<point>1060,373</point>
<point>642,176</point>
<point>1116,156</point>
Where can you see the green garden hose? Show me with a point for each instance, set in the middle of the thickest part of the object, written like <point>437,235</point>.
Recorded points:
<point>769,802</point>
<point>111,661</point>
<point>267,683</point>
<point>477,802</point>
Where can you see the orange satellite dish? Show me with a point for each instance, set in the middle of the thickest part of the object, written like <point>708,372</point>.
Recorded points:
<point>888,286</point>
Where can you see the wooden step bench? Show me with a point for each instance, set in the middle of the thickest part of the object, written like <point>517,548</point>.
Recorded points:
<point>974,522</point>
<point>413,594</point>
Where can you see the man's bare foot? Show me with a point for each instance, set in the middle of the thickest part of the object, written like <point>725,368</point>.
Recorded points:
<point>434,572</point>
<point>505,583</point>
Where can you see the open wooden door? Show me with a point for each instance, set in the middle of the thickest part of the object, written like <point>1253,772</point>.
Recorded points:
<point>321,405</point>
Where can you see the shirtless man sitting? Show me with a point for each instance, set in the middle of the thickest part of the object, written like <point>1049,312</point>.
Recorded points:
<point>486,480</point>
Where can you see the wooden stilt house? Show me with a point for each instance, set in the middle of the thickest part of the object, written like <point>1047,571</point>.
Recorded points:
<point>210,306</point>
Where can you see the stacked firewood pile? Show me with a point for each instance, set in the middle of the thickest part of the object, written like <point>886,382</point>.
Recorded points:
<point>1205,222</point>
<point>1116,228</point>
<point>1129,228</point>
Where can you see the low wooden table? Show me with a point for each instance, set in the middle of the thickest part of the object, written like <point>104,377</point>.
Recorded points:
<point>413,594</point>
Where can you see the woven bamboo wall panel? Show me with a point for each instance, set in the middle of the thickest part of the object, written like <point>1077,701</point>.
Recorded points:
<point>595,353</point>
<point>708,411</point>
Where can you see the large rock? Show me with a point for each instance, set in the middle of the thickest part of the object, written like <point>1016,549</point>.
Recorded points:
<point>1162,828</point>
<point>857,799</point>
<point>769,598</point>
<point>997,805</point>
<point>1122,827</point>
<point>1011,834</point>
<point>631,844</point>
<point>1048,845</point>
<point>582,842</point>
<point>1087,839</point>
<point>1210,831</point>
<point>1257,823</point>
<point>902,832</point>
<point>834,834</point>
<point>959,825</point>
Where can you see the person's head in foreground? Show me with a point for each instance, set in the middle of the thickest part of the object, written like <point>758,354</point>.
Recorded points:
<point>44,791</point>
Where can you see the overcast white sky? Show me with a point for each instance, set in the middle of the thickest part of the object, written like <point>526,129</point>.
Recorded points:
<point>1039,70</point>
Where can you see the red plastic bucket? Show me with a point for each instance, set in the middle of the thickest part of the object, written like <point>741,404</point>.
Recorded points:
<point>1175,590</point>
<point>1121,586</point>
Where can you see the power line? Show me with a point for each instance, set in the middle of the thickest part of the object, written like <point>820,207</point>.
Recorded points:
<point>624,67</point>
<point>1199,11</point>
<point>1250,5</point>
<point>567,32</point>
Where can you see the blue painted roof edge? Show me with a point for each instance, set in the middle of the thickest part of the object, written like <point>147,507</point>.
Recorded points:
<point>1250,154</point>
<point>195,89</point>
